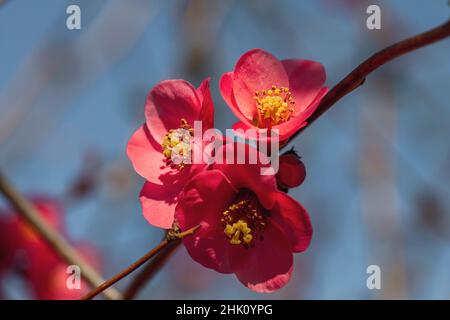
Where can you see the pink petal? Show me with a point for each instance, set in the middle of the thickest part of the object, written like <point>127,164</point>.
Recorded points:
<point>148,161</point>
<point>48,275</point>
<point>285,129</point>
<point>268,265</point>
<point>249,175</point>
<point>251,132</point>
<point>210,252</point>
<point>207,112</point>
<point>298,121</point>
<point>226,89</point>
<point>169,102</point>
<point>314,104</point>
<point>203,201</point>
<point>293,220</point>
<point>53,286</point>
<point>306,78</point>
<point>159,202</point>
<point>256,70</point>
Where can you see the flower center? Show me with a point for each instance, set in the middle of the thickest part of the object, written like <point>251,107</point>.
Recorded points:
<point>176,145</point>
<point>275,105</point>
<point>244,221</point>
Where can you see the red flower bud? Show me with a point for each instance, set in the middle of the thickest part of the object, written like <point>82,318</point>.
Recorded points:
<point>291,172</point>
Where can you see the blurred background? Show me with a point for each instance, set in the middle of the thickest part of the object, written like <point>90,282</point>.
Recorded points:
<point>377,163</point>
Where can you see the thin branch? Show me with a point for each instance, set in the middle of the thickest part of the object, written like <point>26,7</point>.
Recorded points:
<point>163,245</point>
<point>149,271</point>
<point>357,77</point>
<point>27,211</point>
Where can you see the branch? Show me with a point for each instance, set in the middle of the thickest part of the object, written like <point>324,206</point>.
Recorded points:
<point>27,211</point>
<point>357,77</point>
<point>150,270</point>
<point>171,237</point>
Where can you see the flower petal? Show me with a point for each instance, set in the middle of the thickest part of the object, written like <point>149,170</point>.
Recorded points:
<point>47,273</point>
<point>202,202</point>
<point>226,89</point>
<point>169,102</point>
<point>149,162</point>
<point>159,202</point>
<point>295,123</point>
<point>256,70</point>
<point>207,112</point>
<point>293,220</point>
<point>268,265</point>
<point>285,129</point>
<point>251,132</point>
<point>243,174</point>
<point>306,78</point>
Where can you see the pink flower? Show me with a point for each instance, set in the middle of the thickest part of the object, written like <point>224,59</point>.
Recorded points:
<point>25,251</point>
<point>264,92</point>
<point>48,276</point>
<point>6,255</point>
<point>171,108</point>
<point>248,227</point>
<point>16,234</point>
<point>291,172</point>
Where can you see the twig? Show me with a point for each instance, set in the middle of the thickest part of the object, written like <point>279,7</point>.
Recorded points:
<point>149,271</point>
<point>171,237</point>
<point>27,211</point>
<point>357,77</point>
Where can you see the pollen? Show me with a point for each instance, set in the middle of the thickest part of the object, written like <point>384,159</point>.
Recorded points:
<point>275,105</point>
<point>242,223</point>
<point>176,145</point>
<point>239,232</point>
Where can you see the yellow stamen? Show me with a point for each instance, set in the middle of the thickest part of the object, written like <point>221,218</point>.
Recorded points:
<point>242,222</point>
<point>176,145</point>
<point>275,105</point>
<point>238,232</point>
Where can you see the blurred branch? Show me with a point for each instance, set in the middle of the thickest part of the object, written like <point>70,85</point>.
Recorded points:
<point>26,210</point>
<point>150,270</point>
<point>357,77</point>
<point>165,244</point>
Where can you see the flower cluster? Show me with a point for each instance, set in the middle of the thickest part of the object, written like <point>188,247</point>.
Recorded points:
<point>250,226</point>
<point>24,252</point>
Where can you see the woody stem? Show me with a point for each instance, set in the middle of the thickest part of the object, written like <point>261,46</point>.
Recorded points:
<point>161,246</point>
<point>56,241</point>
<point>357,77</point>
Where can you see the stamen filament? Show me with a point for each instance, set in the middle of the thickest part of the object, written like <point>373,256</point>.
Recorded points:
<point>274,105</point>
